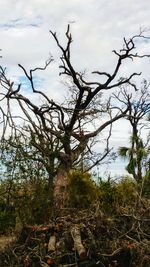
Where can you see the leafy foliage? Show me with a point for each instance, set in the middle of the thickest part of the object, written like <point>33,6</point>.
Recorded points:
<point>107,195</point>
<point>7,217</point>
<point>82,191</point>
<point>29,201</point>
<point>146,185</point>
<point>33,202</point>
<point>25,183</point>
<point>126,192</point>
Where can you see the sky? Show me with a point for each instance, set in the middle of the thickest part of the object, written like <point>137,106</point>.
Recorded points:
<point>97,26</point>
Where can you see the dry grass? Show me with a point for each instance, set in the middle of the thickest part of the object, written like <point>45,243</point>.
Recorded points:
<point>5,241</point>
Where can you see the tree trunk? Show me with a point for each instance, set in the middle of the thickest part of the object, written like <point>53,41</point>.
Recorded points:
<point>60,188</point>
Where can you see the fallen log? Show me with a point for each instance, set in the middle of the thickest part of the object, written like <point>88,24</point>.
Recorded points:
<point>52,243</point>
<point>78,246</point>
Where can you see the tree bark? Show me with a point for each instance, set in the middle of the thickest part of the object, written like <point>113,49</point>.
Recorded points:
<point>60,189</point>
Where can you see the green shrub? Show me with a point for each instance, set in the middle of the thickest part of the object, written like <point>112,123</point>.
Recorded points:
<point>118,194</point>
<point>7,218</point>
<point>145,187</point>
<point>82,191</point>
<point>33,203</point>
<point>107,195</point>
<point>126,190</point>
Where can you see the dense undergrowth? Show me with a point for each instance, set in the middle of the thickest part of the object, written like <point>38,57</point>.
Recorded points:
<point>113,217</point>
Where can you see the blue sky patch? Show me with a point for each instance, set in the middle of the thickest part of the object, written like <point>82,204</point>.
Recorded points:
<point>22,23</point>
<point>38,82</point>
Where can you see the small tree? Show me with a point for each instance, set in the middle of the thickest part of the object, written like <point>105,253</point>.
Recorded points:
<point>138,152</point>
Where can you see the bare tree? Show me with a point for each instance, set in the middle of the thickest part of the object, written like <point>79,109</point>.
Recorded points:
<point>64,126</point>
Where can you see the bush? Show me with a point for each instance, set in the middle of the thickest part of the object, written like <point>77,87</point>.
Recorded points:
<point>33,202</point>
<point>115,195</point>
<point>7,218</point>
<point>126,191</point>
<point>107,195</point>
<point>146,185</point>
<point>82,191</point>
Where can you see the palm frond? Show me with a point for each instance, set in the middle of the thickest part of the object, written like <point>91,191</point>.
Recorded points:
<point>123,152</point>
